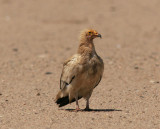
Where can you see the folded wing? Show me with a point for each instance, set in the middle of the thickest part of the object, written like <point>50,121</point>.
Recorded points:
<point>70,70</point>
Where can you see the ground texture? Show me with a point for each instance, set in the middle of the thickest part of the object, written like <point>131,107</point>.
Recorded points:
<point>36,36</point>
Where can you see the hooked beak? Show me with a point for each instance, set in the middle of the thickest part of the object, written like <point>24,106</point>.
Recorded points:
<point>99,35</point>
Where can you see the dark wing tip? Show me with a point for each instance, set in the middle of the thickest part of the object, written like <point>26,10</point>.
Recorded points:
<point>64,101</point>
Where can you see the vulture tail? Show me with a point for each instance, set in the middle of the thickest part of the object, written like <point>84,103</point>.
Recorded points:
<point>64,101</point>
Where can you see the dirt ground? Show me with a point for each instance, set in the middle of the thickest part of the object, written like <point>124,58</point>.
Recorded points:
<point>36,36</point>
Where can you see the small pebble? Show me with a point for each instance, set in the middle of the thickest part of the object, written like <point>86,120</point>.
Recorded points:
<point>15,49</point>
<point>48,73</point>
<point>152,81</point>
<point>68,48</point>
<point>42,56</point>
<point>112,9</point>
<point>136,67</point>
<point>142,96</point>
<point>110,116</point>
<point>38,94</point>
<point>157,64</point>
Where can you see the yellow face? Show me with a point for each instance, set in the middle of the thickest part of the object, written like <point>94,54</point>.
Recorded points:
<point>93,34</point>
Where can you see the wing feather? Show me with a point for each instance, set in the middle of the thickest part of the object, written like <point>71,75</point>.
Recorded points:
<point>69,71</point>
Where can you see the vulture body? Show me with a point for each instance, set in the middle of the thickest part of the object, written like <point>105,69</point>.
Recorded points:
<point>81,73</point>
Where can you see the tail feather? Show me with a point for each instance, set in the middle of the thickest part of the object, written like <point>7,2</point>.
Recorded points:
<point>64,101</point>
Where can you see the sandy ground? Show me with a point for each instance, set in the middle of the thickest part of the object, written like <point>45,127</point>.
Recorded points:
<point>36,36</point>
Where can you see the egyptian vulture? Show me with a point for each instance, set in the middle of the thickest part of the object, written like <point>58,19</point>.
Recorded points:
<point>81,73</point>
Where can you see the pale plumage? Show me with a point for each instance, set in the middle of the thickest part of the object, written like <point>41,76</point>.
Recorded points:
<point>81,73</point>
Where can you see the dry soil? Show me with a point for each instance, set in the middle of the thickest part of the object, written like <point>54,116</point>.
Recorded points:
<point>36,36</point>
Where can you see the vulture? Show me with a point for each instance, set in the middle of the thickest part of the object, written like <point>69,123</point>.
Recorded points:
<point>81,73</point>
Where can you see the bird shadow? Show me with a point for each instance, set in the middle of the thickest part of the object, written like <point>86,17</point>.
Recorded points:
<point>93,110</point>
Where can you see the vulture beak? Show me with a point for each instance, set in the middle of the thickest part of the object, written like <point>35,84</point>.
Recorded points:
<point>99,35</point>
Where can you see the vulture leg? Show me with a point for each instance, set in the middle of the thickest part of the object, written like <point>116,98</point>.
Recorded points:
<point>77,105</point>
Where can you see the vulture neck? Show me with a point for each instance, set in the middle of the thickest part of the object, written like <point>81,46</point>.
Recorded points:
<point>86,47</point>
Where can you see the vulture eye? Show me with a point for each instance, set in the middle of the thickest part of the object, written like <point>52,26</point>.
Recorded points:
<point>90,32</point>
